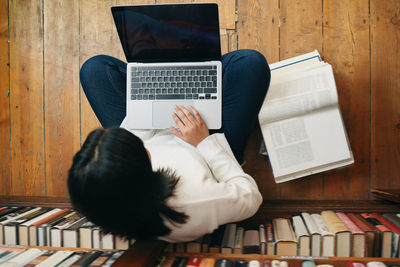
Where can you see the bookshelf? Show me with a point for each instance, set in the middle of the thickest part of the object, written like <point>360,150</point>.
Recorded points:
<point>145,252</point>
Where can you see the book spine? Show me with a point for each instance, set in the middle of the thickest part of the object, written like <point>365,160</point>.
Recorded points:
<point>228,240</point>
<point>270,239</point>
<point>263,242</point>
<point>238,246</point>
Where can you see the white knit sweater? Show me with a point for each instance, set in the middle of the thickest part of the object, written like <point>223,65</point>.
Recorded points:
<point>213,188</point>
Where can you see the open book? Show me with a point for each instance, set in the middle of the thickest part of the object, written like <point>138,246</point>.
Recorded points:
<point>300,119</point>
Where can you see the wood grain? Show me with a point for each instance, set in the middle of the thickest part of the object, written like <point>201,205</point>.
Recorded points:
<point>301,32</point>
<point>346,35</point>
<point>38,130</point>
<point>172,1</point>
<point>224,42</point>
<point>26,98</point>
<point>5,153</point>
<point>97,36</point>
<point>233,41</point>
<point>61,65</point>
<point>258,29</point>
<point>301,27</point>
<point>385,93</point>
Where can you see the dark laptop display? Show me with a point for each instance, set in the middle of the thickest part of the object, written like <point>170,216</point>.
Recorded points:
<point>169,33</point>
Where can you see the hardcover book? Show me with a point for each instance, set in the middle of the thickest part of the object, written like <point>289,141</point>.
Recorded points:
<point>327,237</point>
<point>23,228</point>
<point>358,238</point>
<point>371,234</point>
<point>263,240</point>
<point>43,230</point>
<point>56,236</point>
<point>238,246</point>
<point>86,235</point>
<point>395,230</point>
<point>12,217</point>
<point>11,228</point>
<point>70,235</point>
<point>303,237</point>
<point>386,235</point>
<point>269,235</point>
<point>315,234</point>
<point>33,228</point>
<point>342,233</point>
<point>228,239</point>
<point>285,239</point>
<point>251,242</point>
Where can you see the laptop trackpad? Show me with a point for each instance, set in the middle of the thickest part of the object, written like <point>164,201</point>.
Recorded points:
<point>163,110</point>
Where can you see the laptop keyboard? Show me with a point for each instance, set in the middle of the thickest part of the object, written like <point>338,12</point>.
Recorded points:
<point>165,83</point>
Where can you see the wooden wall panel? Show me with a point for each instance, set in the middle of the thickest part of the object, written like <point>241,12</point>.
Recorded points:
<point>346,48</point>
<point>43,116</point>
<point>301,32</point>
<point>233,41</point>
<point>61,76</point>
<point>257,29</point>
<point>172,1</point>
<point>5,154</point>
<point>224,39</point>
<point>26,97</point>
<point>97,36</point>
<point>385,81</point>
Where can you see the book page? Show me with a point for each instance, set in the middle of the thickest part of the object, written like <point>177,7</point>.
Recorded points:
<point>299,93</point>
<point>303,143</point>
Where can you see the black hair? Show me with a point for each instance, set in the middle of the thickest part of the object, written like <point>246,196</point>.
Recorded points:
<point>112,183</point>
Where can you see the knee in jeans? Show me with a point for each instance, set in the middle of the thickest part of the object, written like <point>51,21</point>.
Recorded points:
<point>256,59</point>
<point>92,65</point>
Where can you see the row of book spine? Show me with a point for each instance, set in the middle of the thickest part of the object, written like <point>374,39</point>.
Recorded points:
<point>170,260</point>
<point>326,234</point>
<point>38,226</point>
<point>21,256</point>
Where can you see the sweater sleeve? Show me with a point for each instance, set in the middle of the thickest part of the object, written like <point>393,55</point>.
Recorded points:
<point>240,198</point>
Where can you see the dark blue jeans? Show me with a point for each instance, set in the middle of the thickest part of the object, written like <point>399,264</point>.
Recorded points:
<point>245,81</point>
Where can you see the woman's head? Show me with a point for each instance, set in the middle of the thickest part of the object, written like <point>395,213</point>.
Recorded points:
<point>112,183</point>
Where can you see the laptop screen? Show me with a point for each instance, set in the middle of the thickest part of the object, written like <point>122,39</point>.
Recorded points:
<point>168,33</point>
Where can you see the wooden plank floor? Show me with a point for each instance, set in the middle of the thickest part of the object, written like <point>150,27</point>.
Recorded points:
<point>45,117</point>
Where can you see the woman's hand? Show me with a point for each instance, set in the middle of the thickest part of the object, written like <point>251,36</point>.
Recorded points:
<point>192,129</point>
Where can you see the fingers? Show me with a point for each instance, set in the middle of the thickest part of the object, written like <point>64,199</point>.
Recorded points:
<point>185,116</point>
<point>177,120</point>
<point>196,114</point>
<point>176,132</point>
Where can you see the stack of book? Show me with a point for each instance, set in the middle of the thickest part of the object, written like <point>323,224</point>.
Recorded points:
<point>326,234</point>
<point>36,226</point>
<point>21,256</point>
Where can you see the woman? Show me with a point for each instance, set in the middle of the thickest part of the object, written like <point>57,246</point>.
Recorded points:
<point>174,184</point>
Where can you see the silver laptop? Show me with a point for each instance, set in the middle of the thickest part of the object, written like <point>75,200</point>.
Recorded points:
<point>174,57</point>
